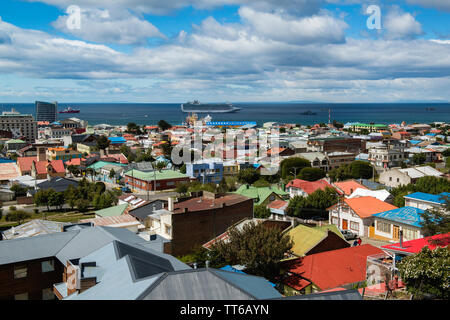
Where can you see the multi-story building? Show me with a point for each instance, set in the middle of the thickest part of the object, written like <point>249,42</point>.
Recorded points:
<point>396,177</point>
<point>46,111</point>
<point>333,144</point>
<point>20,125</point>
<point>339,158</point>
<point>154,180</point>
<point>205,171</point>
<point>388,154</point>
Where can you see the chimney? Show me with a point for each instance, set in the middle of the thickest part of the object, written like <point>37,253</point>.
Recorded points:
<point>207,263</point>
<point>195,265</point>
<point>170,204</point>
<point>401,238</point>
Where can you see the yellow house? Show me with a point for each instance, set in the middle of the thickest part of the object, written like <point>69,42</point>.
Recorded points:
<point>230,168</point>
<point>63,154</point>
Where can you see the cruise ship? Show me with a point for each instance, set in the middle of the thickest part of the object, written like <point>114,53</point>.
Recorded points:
<point>69,110</point>
<point>198,107</point>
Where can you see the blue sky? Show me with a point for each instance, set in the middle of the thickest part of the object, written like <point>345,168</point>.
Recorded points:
<point>224,50</point>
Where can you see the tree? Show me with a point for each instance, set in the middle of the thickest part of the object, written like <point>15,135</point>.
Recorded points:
<point>290,166</point>
<point>164,125</point>
<point>55,199</point>
<point>311,174</point>
<point>261,211</point>
<point>133,128</point>
<point>427,273</point>
<point>256,247</point>
<point>41,199</point>
<point>338,124</point>
<point>112,173</point>
<point>167,149</point>
<point>73,170</point>
<point>183,169</point>
<point>419,158</point>
<point>248,176</point>
<point>17,216</point>
<point>82,205</point>
<point>261,183</point>
<point>160,165</point>
<point>446,152</point>
<point>182,188</point>
<point>103,143</point>
<point>71,196</point>
<point>313,205</point>
<point>19,191</point>
<point>361,169</point>
<point>223,186</point>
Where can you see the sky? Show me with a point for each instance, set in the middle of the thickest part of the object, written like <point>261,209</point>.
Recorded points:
<point>155,51</point>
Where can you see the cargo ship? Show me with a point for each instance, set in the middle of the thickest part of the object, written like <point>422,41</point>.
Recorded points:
<point>69,110</point>
<point>198,107</point>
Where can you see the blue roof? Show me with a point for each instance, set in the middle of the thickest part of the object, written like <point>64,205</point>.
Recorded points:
<point>117,139</point>
<point>6,160</point>
<point>231,269</point>
<point>405,215</point>
<point>431,134</point>
<point>435,198</point>
<point>415,141</point>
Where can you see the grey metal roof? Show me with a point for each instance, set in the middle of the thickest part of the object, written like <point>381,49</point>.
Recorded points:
<point>209,284</point>
<point>335,295</point>
<point>58,184</point>
<point>142,212</point>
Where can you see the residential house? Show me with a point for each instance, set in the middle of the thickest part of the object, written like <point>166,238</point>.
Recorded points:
<point>8,172</point>
<point>316,159</point>
<point>381,194</point>
<point>208,215</point>
<point>278,209</point>
<point>396,177</point>
<point>31,268</point>
<point>230,168</point>
<point>339,158</point>
<point>388,154</point>
<point>125,221</point>
<point>58,184</point>
<point>303,188</point>
<point>357,214</point>
<point>262,195</point>
<point>143,212</point>
<point>145,180</point>
<point>426,201</point>
<point>407,248</point>
<point>132,200</point>
<point>309,240</point>
<point>39,167</point>
<point>332,144</point>
<point>205,171</point>
<point>64,154</point>
<point>389,224</point>
<point>113,211</point>
<point>341,268</point>
<point>33,228</point>
<point>347,187</point>
<point>13,145</point>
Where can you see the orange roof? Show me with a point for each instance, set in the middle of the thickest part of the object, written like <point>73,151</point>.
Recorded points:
<point>348,186</point>
<point>58,149</point>
<point>367,206</point>
<point>74,162</point>
<point>309,186</point>
<point>278,204</point>
<point>25,163</point>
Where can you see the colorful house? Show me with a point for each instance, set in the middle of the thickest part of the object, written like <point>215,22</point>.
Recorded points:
<point>344,268</point>
<point>165,179</point>
<point>262,195</point>
<point>357,214</point>
<point>303,188</point>
<point>388,224</point>
<point>426,201</point>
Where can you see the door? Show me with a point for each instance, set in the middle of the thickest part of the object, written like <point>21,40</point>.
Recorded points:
<point>395,235</point>
<point>344,224</point>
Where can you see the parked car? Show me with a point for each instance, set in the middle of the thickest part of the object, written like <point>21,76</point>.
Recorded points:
<point>349,235</point>
<point>125,189</point>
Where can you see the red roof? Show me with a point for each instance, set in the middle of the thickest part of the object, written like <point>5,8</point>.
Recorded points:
<point>335,268</point>
<point>296,282</point>
<point>349,186</point>
<point>309,186</point>
<point>74,162</point>
<point>25,163</point>
<point>415,246</point>
<point>278,204</point>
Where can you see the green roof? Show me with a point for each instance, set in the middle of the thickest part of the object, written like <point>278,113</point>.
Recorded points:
<point>112,211</point>
<point>260,194</point>
<point>15,141</point>
<point>150,176</point>
<point>306,238</point>
<point>101,164</point>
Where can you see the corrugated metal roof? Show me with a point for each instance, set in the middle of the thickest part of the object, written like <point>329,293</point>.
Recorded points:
<point>336,295</point>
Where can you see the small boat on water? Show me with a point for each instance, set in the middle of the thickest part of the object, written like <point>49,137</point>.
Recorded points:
<point>308,113</point>
<point>70,110</point>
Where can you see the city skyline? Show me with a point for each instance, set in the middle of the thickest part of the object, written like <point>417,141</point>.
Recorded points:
<point>229,50</point>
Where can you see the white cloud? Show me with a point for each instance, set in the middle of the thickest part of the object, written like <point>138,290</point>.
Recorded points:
<point>400,24</point>
<point>102,26</point>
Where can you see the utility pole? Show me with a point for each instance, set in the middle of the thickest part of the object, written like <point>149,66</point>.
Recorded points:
<point>295,171</point>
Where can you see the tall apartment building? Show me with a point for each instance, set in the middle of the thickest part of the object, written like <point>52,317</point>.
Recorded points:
<point>46,111</point>
<point>20,125</point>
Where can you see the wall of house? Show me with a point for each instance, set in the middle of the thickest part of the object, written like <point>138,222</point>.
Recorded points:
<point>33,283</point>
<point>160,184</point>
<point>394,178</point>
<point>419,204</point>
<point>344,212</point>
<point>409,232</point>
<point>193,229</point>
<point>296,192</point>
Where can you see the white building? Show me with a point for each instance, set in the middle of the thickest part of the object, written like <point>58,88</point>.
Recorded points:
<point>21,125</point>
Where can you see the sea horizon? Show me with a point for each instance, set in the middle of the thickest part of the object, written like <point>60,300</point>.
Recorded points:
<point>119,113</point>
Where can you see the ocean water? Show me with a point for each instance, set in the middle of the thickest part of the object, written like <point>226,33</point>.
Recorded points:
<point>150,114</point>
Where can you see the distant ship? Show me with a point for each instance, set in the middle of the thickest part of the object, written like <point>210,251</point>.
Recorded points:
<point>69,110</point>
<point>308,113</point>
<point>430,109</point>
<point>198,107</point>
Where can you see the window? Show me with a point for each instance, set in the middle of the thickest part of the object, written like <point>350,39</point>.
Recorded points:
<point>398,179</point>
<point>21,296</point>
<point>48,266</point>
<point>354,226</point>
<point>409,234</point>
<point>168,229</point>
<point>390,178</point>
<point>335,221</point>
<point>47,294</point>
<point>383,227</point>
<point>20,272</point>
